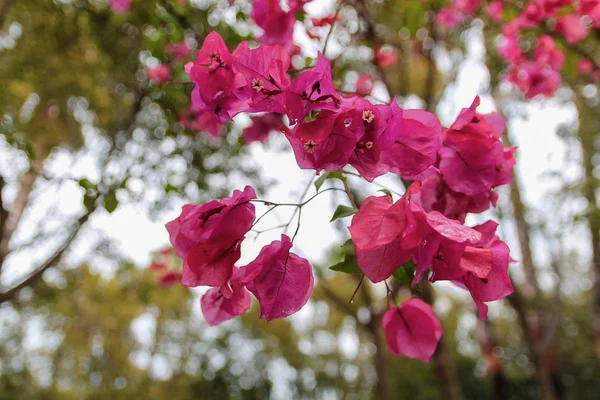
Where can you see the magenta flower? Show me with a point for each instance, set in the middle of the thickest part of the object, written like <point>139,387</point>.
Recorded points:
<point>312,90</point>
<point>546,52</point>
<point>327,142</point>
<point>200,121</point>
<point>412,330</point>
<point>449,17</point>
<point>510,48</point>
<point>534,79</point>
<point>281,281</point>
<point>278,25</point>
<point>223,303</point>
<point>179,51</point>
<point>495,10</point>
<point>264,70</point>
<point>169,278</point>
<point>591,8</point>
<point>208,236</point>
<point>410,140</point>
<point>160,74</point>
<point>385,57</point>
<point>364,84</point>
<point>467,6</point>
<point>219,90</point>
<point>120,6</point>
<point>385,235</point>
<point>262,126</point>
<point>572,28</point>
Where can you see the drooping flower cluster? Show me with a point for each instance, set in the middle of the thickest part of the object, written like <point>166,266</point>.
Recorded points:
<point>208,238</point>
<point>455,171</point>
<point>532,73</point>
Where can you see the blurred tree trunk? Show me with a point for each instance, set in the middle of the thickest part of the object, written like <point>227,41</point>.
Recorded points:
<point>589,126</point>
<point>494,370</point>
<point>443,362</point>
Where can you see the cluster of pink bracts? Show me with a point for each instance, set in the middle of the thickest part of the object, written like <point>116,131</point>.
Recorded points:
<point>454,171</point>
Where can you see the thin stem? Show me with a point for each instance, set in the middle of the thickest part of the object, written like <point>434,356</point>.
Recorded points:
<point>337,12</point>
<point>298,225</point>
<point>374,183</point>
<point>356,290</point>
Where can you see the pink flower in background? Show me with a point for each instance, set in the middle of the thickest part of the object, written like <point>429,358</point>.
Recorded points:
<point>226,302</point>
<point>201,121</point>
<point>585,67</point>
<point>591,8</point>
<point>549,7</point>
<point>208,236</point>
<point>277,24</point>
<point>449,17</point>
<point>120,6</point>
<point>546,52</point>
<point>412,330</point>
<point>160,74</point>
<point>365,84</point>
<point>534,79</point>
<point>179,51</point>
<point>281,281</point>
<point>467,6</point>
<point>385,57</point>
<point>262,126</point>
<point>509,48</point>
<point>572,28</point>
<point>169,278</point>
<point>324,21</point>
<point>495,10</point>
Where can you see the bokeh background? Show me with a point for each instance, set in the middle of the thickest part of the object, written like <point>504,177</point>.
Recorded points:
<point>94,161</point>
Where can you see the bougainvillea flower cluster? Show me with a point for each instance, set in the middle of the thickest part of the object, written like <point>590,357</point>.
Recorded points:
<point>529,71</point>
<point>454,172</point>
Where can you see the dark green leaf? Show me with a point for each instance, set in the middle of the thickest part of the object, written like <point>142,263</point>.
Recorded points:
<point>342,212</point>
<point>405,273</point>
<point>349,265</point>
<point>329,175</point>
<point>86,184</point>
<point>110,201</point>
<point>89,201</point>
<point>386,192</point>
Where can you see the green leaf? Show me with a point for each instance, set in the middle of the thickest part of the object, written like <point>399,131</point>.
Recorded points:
<point>329,175</point>
<point>89,201</point>
<point>110,201</point>
<point>387,192</point>
<point>342,212</point>
<point>86,184</point>
<point>349,265</point>
<point>405,273</point>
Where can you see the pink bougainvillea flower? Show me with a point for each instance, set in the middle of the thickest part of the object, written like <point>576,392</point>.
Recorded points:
<point>590,8</point>
<point>277,24</point>
<point>200,121</point>
<point>495,10</point>
<point>496,285</point>
<point>219,89</point>
<point>264,70</point>
<point>530,17</point>
<point>412,330</point>
<point>385,235</point>
<point>324,21</point>
<point>472,159</point>
<point>158,265</point>
<point>208,236</point>
<point>120,6</point>
<point>572,28</point>
<point>261,127</point>
<point>366,157</point>
<point>546,52</point>
<point>169,278</point>
<point>281,281</point>
<point>450,17</point>
<point>534,79</point>
<point>179,51</point>
<point>510,48</point>
<point>549,7</point>
<point>585,67</point>
<point>364,84</point>
<point>467,6</point>
<point>385,57</point>
<point>224,303</point>
<point>312,90</point>
<point>160,74</point>
<point>327,142</point>
<point>410,141</point>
